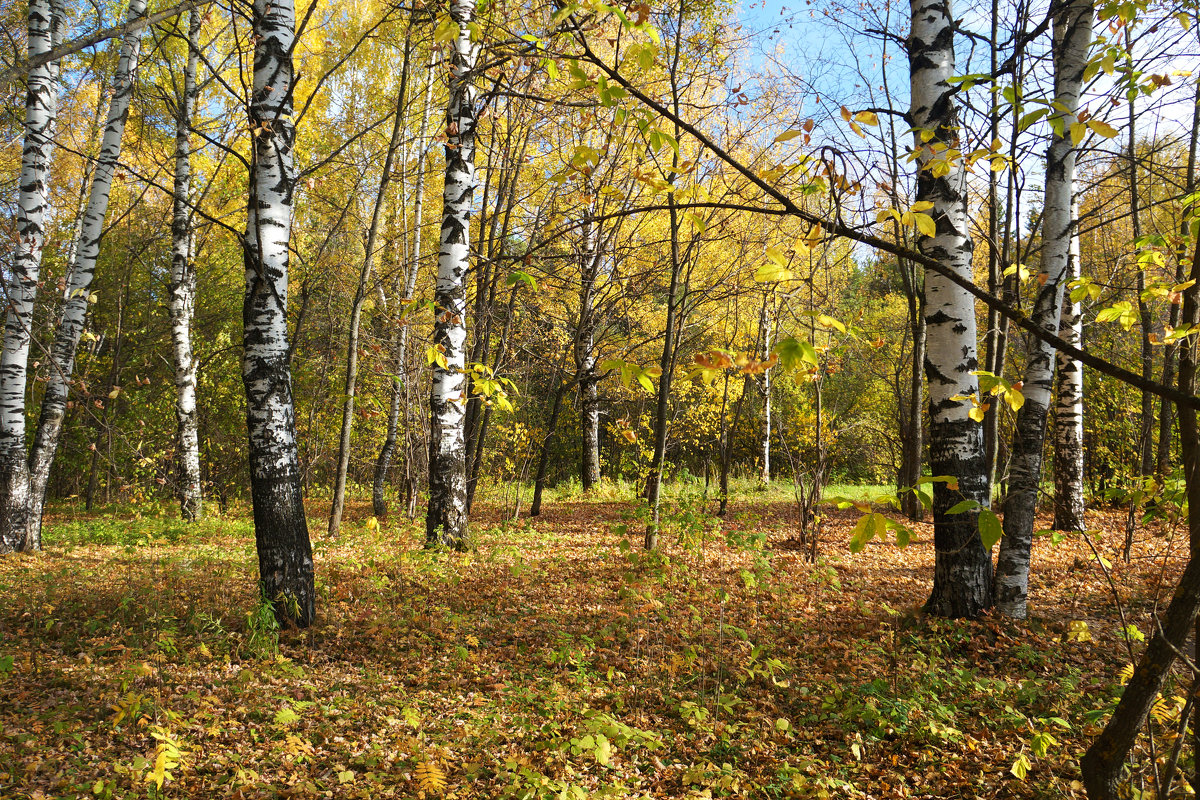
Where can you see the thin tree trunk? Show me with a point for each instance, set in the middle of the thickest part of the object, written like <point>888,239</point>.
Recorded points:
<point>361,293</point>
<point>281,530</point>
<point>764,392</point>
<point>1171,355</point>
<point>79,280</point>
<point>400,383</point>
<point>1068,413</point>
<point>485,420</point>
<point>1072,38</point>
<point>1104,761</point>
<point>41,107</point>
<point>667,361</point>
<point>585,360</point>
<point>962,568</point>
<point>1146,322</point>
<point>182,302</point>
<point>446,522</point>
<point>543,462</point>
<point>913,444</point>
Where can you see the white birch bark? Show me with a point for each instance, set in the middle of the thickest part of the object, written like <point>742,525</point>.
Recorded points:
<point>79,281</point>
<point>446,521</point>
<point>1072,38</point>
<point>1068,413</point>
<point>585,358</point>
<point>764,390</point>
<point>281,531</point>
<point>181,302</point>
<point>41,108</point>
<point>962,568</point>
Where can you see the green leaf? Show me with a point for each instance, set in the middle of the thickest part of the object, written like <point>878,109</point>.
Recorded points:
<point>965,505</point>
<point>1020,767</point>
<point>990,529</point>
<point>603,749</point>
<point>286,716</point>
<point>518,276</point>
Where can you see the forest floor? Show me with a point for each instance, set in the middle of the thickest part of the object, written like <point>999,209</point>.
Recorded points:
<point>554,660</point>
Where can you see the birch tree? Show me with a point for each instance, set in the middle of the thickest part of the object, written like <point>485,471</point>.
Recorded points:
<point>446,521</point>
<point>281,531</point>
<point>41,109</point>
<point>962,567</point>
<point>181,302</point>
<point>79,280</point>
<point>1072,39</point>
<point>1068,412</point>
<point>764,387</point>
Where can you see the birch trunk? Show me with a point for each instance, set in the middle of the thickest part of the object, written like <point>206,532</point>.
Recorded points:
<point>41,107</point>
<point>764,391</point>
<point>962,567</point>
<point>79,281</point>
<point>281,531</point>
<point>356,308</point>
<point>182,300</point>
<point>400,381</point>
<point>1072,39</point>
<point>1068,414</point>
<point>446,521</point>
<point>585,361</point>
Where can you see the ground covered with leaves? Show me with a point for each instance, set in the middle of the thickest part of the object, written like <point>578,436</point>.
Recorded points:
<point>556,659</point>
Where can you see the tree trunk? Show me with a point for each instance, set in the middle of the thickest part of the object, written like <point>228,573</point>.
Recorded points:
<point>1171,355</point>
<point>78,283</point>
<point>281,531</point>
<point>350,386</point>
<point>540,481</point>
<point>962,568</point>
<point>764,391</point>
<point>1068,414</point>
<point>1104,760</point>
<point>446,522</point>
<point>182,291</point>
<point>585,360</point>
<point>1072,38</point>
<point>912,445</point>
<point>400,383</point>
<point>41,107</point>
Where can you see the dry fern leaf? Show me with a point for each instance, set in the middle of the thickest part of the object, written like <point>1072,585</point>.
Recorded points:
<point>430,777</point>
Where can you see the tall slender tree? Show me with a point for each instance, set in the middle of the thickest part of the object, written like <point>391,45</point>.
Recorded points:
<point>765,324</point>
<point>962,567</point>
<point>361,293</point>
<point>181,303</point>
<point>400,381</point>
<point>1072,39</point>
<point>281,531</point>
<point>41,109</point>
<point>1068,412</point>
<point>79,280</point>
<point>446,521</point>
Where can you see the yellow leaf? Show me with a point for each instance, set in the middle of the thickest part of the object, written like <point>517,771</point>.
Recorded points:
<point>1101,127</point>
<point>925,224</point>
<point>867,118</point>
<point>1078,131</point>
<point>787,136</point>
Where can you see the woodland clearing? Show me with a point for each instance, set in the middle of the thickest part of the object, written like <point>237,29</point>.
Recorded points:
<point>553,660</point>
